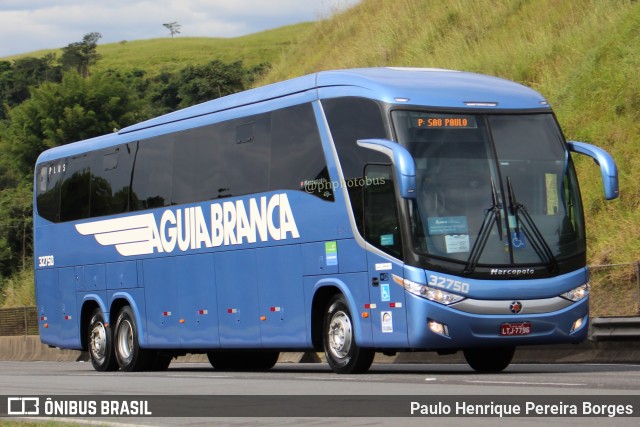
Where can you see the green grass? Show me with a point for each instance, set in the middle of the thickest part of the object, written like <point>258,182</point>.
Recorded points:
<point>18,290</point>
<point>166,54</point>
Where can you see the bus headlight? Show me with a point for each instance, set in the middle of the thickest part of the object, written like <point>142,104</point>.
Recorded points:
<point>432,294</point>
<point>578,293</point>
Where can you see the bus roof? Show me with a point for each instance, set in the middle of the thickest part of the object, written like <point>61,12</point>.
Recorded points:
<point>416,86</point>
<point>427,87</point>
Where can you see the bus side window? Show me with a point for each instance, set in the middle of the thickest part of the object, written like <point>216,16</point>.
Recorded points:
<point>244,146</point>
<point>381,221</point>
<point>110,179</point>
<point>297,159</point>
<point>152,175</point>
<point>76,189</point>
<point>351,119</point>
<point>48,191</point>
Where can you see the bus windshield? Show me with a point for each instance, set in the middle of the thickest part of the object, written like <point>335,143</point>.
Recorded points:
<point>492,189</point>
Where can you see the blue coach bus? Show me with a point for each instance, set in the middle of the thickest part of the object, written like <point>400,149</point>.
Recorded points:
<point>350,212</point>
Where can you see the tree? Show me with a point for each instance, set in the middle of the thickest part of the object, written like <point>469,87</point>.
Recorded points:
<point>80,56</point>
<point>57,113</point>
<point>162,93</point>
<point>73,110</point>
<point>18,77</point>
<point>213,80</point>
<point>16,225</point>
<point>173,27</point>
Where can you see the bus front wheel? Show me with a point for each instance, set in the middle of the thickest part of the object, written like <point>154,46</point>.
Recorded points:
<point>343,353</point>
<point>100,343</point>
<point>490,359</point>
<point>128,352</point>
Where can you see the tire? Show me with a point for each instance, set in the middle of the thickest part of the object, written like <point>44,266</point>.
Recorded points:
<point>490,359</point>
<point>127,350</point>
<point>243,360</point>
<point>343,353</point>
<point>100,343</point>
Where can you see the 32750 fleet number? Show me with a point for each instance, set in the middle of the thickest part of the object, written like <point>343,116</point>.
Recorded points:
<point>450,284</point>
<point>46,261</point>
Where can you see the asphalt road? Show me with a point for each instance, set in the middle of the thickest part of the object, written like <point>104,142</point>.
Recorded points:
<point>198,379</point>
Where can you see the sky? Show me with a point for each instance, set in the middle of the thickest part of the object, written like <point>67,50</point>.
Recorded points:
<point>30,25</point>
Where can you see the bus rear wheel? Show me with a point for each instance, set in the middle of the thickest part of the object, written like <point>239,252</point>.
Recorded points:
<point>100,343</point>
<point>343,353</point>
<point>490,359</point>
<point>128,352</point>
<point>243,360</point>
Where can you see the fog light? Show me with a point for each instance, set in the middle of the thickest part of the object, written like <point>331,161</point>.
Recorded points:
<point>438,328</point>
<point>577,325</point>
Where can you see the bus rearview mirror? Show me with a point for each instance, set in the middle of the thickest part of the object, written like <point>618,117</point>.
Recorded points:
<point>404,166</point>
<point>607,165</point>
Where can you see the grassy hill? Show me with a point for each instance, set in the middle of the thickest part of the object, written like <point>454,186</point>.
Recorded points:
<point>583,55</point>
<point>166,54</point>
<point>173,54</point>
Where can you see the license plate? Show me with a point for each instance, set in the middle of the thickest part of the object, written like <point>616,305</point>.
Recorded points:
<point>509,329</point>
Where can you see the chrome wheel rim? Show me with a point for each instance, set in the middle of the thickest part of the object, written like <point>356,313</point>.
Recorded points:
<point>340,335</point>
<point>98,342</point>
<point>125,340</point>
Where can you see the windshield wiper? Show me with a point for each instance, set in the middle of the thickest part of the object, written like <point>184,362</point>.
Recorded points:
<point>531,230</point>
<point>494,213</point>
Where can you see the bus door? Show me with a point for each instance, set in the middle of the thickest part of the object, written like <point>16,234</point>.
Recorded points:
<point>382,231</point>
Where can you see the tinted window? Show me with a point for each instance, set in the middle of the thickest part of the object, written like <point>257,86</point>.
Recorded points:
<point>279,150</point>
<point>244,155</point>
<point>110,179</point>
<point>152,176</point>
<point>196,171</point>
<point>381,224</point>
<point>48,184</point>
<point>351,119</point>
<point>297,159</point>
<point>76,188</point>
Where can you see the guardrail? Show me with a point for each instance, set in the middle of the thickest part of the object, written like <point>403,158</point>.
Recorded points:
<point>18,321</point>
<point>614,329</point>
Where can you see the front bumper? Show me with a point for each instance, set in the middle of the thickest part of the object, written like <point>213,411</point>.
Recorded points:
<point>466,330</point>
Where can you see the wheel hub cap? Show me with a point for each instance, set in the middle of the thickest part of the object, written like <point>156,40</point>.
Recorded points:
<point>340,335</point>
<point>98,341</point>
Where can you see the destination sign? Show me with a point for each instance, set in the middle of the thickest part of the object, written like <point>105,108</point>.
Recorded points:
<point>444,121</point>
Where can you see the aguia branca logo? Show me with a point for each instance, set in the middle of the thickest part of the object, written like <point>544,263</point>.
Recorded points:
<point>223,224</point>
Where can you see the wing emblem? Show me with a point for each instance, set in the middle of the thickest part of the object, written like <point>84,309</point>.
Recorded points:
<point>133,235</point>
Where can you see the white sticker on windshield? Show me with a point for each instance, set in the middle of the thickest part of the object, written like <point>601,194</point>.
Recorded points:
<point>457,243</point>
<point>447,224</point>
